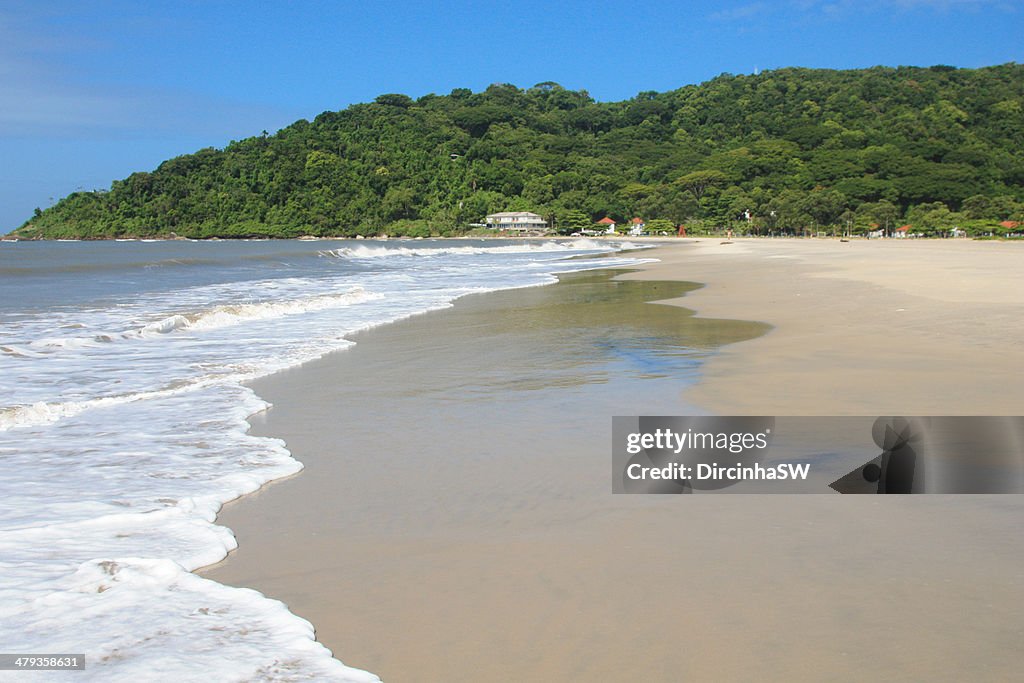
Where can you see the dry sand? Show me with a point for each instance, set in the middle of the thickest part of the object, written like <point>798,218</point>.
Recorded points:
<point>455,520</point>
<point>863,327</point>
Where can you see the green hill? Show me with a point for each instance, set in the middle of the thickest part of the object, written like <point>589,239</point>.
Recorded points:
<point>797,148</point>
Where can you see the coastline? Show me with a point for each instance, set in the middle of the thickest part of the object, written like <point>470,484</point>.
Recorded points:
<point>497,568</point>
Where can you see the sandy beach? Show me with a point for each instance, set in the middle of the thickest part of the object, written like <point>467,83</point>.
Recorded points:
<point>455,522</point>
<point>925,327</point>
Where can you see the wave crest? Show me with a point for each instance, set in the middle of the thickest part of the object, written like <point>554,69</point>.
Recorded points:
<point>209,319</point>
<point>552,246</point>
<point>225,316</point>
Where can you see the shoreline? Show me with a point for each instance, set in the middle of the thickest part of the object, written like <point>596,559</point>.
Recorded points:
<point>661,240</point>
<point>463,569</point>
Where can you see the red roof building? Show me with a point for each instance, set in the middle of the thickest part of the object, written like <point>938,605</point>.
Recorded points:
<point>904,228</point>
<point>606,221</point>
<point>1010,225</point>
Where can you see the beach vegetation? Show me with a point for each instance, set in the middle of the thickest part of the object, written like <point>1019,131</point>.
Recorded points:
<point>791,151</point>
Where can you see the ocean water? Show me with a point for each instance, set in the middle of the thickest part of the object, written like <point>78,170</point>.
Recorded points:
<point>123,430</point>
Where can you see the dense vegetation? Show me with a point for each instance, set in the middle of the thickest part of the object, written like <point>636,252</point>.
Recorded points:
<point>798,149</point>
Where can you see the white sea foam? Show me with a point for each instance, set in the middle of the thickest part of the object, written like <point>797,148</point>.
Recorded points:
<point>213,318</point>
<point>548,246</point>
<point>225,316</point>
<point>123,430</point>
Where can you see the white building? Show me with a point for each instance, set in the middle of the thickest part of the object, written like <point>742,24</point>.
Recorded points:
<point>517,221</point>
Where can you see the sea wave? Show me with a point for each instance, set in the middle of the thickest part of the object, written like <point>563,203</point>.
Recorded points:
<point>43,412</point>
<point>225,315</point>
<point>549,246</point>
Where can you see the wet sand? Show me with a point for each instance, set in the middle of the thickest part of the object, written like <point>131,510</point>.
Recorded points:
<point>455,521</point>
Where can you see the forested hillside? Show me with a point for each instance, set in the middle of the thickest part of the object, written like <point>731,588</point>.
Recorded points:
<point>797,148</point>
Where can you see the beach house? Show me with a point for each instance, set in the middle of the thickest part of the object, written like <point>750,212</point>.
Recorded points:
<point>516,221</point>
<point>609,225</point>
<point>1012,228</point>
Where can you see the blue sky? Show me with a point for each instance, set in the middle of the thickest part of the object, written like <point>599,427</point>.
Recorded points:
<point>91,92</point>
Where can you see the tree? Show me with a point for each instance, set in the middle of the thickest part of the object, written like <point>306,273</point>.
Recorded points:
<point>786,212</point>
<point>395,100</point>
<point>884,214</point>
<point>824,206</point>
<point>573,221</point>
<point>847,219</point>
<point>398,203</point>
<point>660,225</point>
<point>698,182</point>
